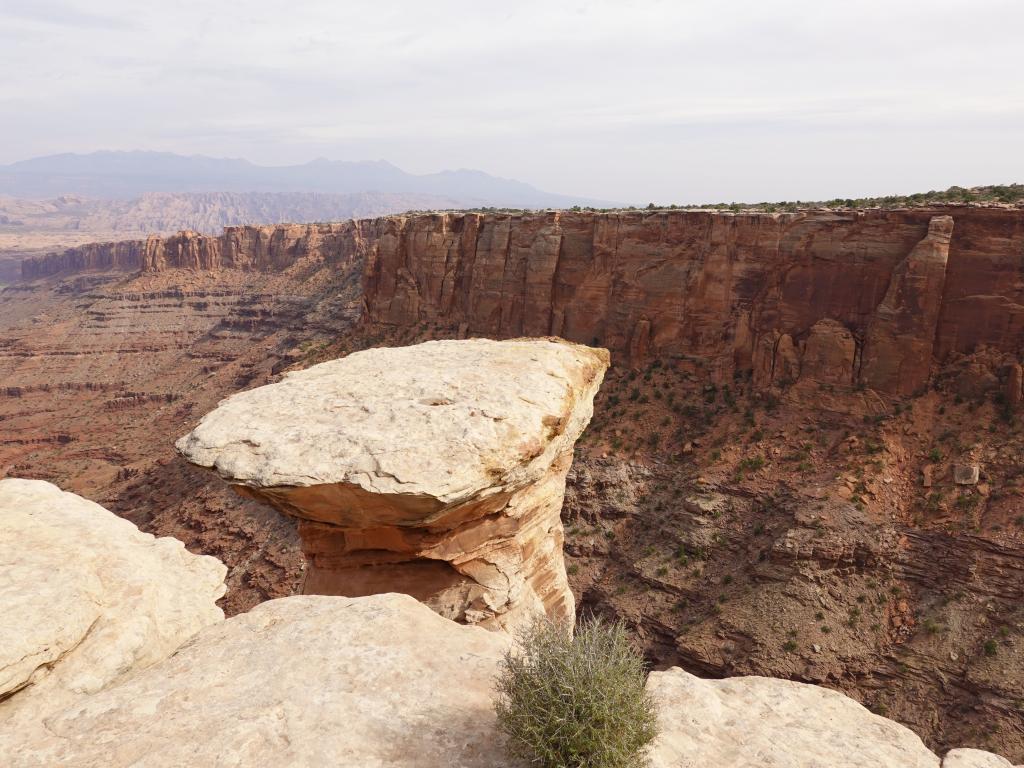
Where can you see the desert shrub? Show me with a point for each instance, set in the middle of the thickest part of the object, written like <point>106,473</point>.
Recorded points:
<point>575,701</point>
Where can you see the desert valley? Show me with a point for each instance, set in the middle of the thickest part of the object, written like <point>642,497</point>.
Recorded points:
<point>805,461</point>
<point>534,385</point>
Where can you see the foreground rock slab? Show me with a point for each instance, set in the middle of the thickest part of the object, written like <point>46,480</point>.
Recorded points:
<point>437,470</point>
<point>760,722</point>
<point>974,758</point>
<point>86,597</point>
<point>300,681</point>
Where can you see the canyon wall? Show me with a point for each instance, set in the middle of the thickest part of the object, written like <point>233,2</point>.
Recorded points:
<point>871,297</point>
<point>725,293</point>
<point>269,248</point>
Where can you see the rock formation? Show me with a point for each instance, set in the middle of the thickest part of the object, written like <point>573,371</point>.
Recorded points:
<point>752,722</point>
<point>437,470</point>
<point>718,288</point>
<point>86,598</point>
<point>901,334</point>
<point>822,481</point>
<point>264,248</point>
<point>300,681</point>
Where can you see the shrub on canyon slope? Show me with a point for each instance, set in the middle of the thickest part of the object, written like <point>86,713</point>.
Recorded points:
<point>570,702</point>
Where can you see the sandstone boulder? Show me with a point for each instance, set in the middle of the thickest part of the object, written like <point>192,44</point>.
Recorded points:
<point>86,597</point>
<point>437,470</point>
<point>966,474</point>
<point>760,722</point>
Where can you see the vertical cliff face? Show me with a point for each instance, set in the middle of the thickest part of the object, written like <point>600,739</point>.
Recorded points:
<point>263,248</point>
<point>873,297</point>
<point>901,333</point>
<point>868,297</point>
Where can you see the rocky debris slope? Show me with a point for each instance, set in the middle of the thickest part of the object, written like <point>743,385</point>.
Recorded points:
<point>437,470</point>
<point>86,598</point>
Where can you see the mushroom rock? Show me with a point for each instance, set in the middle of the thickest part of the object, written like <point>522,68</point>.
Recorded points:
<point>437,470</point>
<point>902,332</point>
<point>86,598</point>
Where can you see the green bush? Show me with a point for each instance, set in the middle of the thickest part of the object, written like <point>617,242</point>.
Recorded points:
<point>575,702</point>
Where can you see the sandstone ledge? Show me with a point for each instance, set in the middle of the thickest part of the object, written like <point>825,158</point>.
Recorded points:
<point>440,422</point>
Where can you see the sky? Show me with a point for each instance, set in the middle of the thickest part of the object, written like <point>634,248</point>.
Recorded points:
<point>674,101</point>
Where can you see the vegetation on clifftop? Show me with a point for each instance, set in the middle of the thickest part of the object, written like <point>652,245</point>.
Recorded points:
<point>576,701</point>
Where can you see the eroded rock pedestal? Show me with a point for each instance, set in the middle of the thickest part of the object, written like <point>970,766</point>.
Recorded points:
<point>437,470</point>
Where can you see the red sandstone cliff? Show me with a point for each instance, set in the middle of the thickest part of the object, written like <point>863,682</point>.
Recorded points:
<point>872,297</point>
<point>868,297</point>
<point>263,248</point>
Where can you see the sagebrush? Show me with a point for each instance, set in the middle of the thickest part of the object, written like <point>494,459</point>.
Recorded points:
<point>576,701</point>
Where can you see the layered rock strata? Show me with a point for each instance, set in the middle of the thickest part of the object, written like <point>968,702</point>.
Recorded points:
<point>86,598</point>
<point>437,470</point>
<point>729,293</point>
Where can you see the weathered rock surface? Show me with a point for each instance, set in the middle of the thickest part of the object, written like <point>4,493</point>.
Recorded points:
<point>760,722</point>
<point>317,680</point>
<point>300,681</point>
<point>437,469</point>
<point>86,597</point>
<point>973,758</point>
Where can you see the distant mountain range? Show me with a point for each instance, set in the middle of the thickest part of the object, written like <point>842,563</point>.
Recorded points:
<point>124,175</point>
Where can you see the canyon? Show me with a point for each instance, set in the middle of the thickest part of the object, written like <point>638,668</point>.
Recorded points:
<point>130,662</point>
<point>805,462</point>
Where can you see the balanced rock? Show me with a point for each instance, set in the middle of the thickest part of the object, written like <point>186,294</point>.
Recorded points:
<point>762,722</point>
<point>86,597</point>
<point>437,470</point>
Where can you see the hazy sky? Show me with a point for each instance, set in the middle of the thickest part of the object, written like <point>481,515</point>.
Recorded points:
<point>675,101</point>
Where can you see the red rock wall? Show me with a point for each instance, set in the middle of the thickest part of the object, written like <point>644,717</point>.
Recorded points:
<point>833,297</point>
<point>264,248</point>
<point>721,290</point>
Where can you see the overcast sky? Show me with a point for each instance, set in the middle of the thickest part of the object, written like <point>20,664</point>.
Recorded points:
<point>674,101</point>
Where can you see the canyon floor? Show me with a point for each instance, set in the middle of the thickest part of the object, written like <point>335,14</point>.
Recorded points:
<point>806,531</point>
